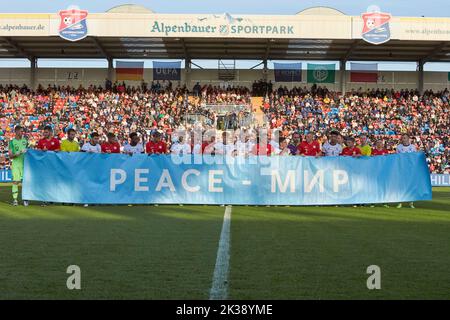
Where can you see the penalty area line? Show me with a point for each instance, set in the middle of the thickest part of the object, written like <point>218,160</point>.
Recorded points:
<point>219,288</point>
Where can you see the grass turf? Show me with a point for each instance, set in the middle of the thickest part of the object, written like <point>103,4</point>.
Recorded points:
<point>139,252</point>
<point>169,252</point>
<point>324,252</point>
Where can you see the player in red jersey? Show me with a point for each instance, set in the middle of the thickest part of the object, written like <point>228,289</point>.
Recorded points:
<point>262,147</point>
<point>350,149</point>
<point>208,146</point>
<point>156,146</point>
<point>48,142</point>
<point>379,149</point>
<point>310,147</point>
<point>111,146</point>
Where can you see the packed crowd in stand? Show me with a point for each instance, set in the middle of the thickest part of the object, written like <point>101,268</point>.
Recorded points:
<point>144,119</point>
<point>381,114</point>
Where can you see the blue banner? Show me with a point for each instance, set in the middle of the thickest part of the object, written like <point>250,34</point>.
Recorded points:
<point>166,179</point>
<point>440,180</point>
<point>287,72</point>
<point>166,70</point>
<point>5,175</point>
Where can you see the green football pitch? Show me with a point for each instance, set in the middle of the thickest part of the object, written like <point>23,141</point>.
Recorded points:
<point>169,252</point>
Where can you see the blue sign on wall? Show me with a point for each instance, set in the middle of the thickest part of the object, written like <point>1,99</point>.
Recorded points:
<point>5,175</point>
<point>440,180</point>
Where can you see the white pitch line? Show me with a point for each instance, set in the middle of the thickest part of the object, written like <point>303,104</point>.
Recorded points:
<point>219,288</point>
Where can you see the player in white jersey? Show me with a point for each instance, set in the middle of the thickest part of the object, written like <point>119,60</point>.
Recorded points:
<point>195,142</point>
<point>135,145</point>
<point>274,139</point>
<point>93,146</point>
<point>283,149</point>
<point>332,148</point>
<point>180,147</point>
<point>406,147</point>
<point>224,147</point>
<point>243,145</point>
<point>197,148</point>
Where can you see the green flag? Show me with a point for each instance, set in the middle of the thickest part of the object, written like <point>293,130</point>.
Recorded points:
<point>321,73</point>
<point>448,76</point>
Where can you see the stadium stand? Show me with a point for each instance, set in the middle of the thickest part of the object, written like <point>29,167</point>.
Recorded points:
<point>382,114</point>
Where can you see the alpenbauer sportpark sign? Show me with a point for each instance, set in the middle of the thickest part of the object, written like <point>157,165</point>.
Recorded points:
<point>75,24</point>
<point>222,26</point>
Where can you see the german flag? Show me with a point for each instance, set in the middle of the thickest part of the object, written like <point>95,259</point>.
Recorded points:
<point>364,72</point>
<point>126,70</point>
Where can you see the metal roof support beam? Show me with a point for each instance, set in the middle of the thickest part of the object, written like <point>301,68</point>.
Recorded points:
<point>257,65</point>
<point>33,67</point>
<point>435,52</point>
<point>110,69</point>
<point>187,72</point>
<point>192,63</point>
<point>185,50</point>
<point>19,49</point>
<point>266,57</point>
<point>343,75</point>
<point>420,65</point>
<point>187,63</point>
<point>267,53</point>
<point>351,50</point>
<point>265,70</point>
<point>101,48</point>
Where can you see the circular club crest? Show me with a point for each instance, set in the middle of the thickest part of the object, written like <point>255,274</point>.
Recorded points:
<point>320,74</point>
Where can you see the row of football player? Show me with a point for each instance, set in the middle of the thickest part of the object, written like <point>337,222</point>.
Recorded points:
<point>261,146</point>
<point>258,144</point>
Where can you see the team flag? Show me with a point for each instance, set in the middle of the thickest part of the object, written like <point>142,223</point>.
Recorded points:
<point>448,76</point>
<point>364,72</point>
<point>321,73</point>
<point>126,70</point>
<point>167,70</point>
<point>287,72</point>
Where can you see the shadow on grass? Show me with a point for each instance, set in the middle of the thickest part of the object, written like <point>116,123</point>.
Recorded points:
<point>287,256</point>
<point>123,252</point>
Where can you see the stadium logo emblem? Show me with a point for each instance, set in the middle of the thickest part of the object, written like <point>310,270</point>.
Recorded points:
<point>73,26</point>
<point>224,29</point>
<point>376,28</point>
<point>320,74</point>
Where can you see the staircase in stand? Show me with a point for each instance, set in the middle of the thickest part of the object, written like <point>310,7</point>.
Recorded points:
<point>257,103</point>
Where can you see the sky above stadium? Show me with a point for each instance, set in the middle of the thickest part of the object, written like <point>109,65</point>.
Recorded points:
<point>432,8</point>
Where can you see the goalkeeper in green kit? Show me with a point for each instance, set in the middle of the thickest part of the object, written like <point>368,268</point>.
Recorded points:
<point>16,150</point>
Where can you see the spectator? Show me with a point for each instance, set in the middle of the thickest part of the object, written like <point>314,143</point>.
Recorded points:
<point>380,114</point>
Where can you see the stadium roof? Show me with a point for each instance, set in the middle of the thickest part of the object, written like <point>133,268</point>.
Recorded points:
<point>131,31</point>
